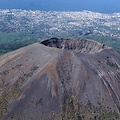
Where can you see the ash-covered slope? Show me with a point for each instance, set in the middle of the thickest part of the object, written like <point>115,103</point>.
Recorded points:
<point>60,79</point>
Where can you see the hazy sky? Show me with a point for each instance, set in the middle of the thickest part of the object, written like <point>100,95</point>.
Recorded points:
<point>104,6</point>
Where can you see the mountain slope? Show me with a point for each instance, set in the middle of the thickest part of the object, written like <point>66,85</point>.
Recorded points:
<point>60,79</point>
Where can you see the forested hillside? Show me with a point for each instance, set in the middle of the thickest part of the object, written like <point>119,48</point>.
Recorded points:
<point>19,28</point>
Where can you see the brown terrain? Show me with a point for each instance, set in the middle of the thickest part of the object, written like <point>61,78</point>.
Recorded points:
<point>60,79</point>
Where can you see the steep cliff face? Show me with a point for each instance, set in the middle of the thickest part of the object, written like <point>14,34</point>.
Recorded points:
<point>61,79</point>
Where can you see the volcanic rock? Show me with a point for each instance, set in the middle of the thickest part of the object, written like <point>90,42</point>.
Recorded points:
<point>60,79</point>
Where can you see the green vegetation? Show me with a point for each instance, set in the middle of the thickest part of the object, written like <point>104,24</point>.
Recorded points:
<point>14,92</point>
<point>24,77</point>
<point>7,97</point>
<point>108,115</point>
<point>70,108</point>
<point>13,41</point>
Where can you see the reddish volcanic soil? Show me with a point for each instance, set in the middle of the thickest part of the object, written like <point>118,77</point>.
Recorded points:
<point>60,79</point>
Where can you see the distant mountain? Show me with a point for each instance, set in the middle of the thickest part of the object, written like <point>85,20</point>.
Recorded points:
<point>60,79</point>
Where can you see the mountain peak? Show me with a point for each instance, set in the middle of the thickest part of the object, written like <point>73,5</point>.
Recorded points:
<point>61,79</point>
<point>79,45</point>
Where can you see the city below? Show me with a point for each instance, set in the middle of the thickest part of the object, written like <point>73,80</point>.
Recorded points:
<point>60,23</point>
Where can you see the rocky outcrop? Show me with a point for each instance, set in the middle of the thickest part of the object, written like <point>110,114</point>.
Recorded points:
<point>80,45</point>
<point>61,79</point>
